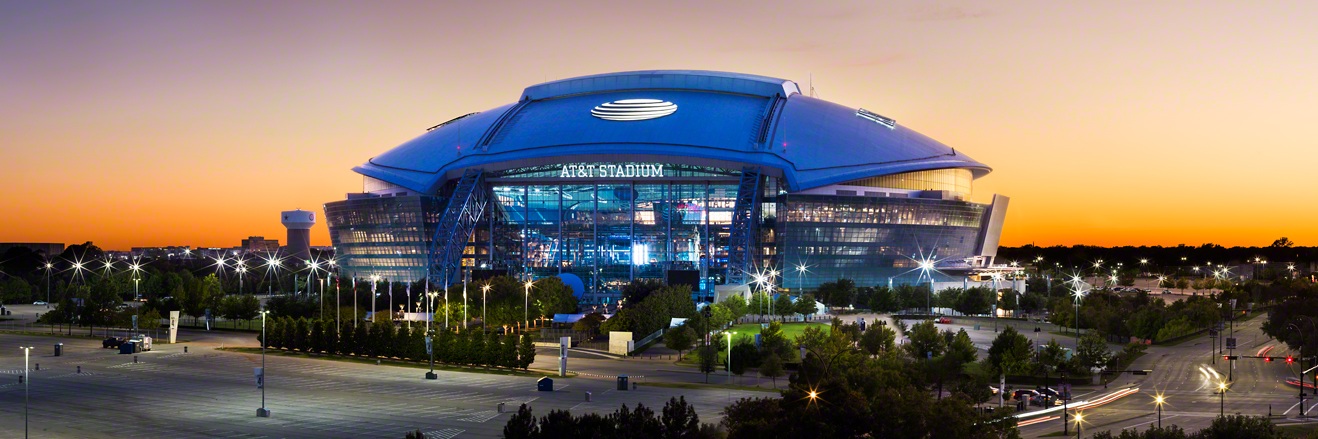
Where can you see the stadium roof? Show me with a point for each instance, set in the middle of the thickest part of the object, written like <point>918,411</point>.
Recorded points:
<point>673,116</point>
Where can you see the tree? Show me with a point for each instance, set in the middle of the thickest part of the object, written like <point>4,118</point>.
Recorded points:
<point>551,296</point>
<point>622,321</point>
<point>1010,353</point>
<point>679,420</point>
<point>362,341</point>
<point>744,355</point>
<point>878,339</point>
<point>589,324</point>
<point>301,332</point>
<point>708,356</point>
<point>884,300</point>
<point>317,337</point>
<point>838,293</point>
<point>508,352</point>
<point>772,367</point>
<point>635,292</point>
<point>1241,427</point>
<point>526,352</point>
<point>443,346</point>
<point>493,349</point>
<point>680,339</point>
<point>772,339</point>
<point>805,305</point>
<point>782,306</point>
<point>657,311</point>
<point>1282,242</point>
<point>346,344</point>
<point>1052,356</point>
<point>925,341</point>
<point>476,347</point>
<point>736,305</point>
<point>1092,352</point>
<point>403,343</point>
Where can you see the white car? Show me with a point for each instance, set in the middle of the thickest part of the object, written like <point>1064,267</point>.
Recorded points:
<point>39,303</point>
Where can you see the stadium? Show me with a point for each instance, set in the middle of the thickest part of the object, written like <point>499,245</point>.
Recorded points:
<point>696,177</point>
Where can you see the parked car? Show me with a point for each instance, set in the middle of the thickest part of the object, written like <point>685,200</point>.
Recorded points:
<point>39,303</point>
<point>112,342</point>
<point>1166,291</point>
<point>944,320</point>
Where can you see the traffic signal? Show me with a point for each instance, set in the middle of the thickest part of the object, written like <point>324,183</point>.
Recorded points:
<point>1290,360</point>
<point>1267,359</point>
<point>1230,357</point>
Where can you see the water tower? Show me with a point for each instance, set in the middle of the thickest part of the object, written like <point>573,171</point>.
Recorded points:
<point>299,224</point>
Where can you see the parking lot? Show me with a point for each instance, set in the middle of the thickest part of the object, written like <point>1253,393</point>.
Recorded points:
<point>212,393</point>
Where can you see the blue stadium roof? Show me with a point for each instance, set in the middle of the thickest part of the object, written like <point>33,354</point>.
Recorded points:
<point>722,119</point>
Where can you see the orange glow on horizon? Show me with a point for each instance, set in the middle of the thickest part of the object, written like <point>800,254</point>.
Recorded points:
<point>196,124</point>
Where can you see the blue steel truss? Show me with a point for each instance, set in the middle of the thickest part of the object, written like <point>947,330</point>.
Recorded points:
<point>464,210</point>
<point>741,245</point>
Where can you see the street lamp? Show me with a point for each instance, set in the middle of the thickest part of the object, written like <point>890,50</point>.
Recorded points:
<point>1221,398</point>
<point>263,412</point>
<point>1158,400</point>
<point>526,305</point>
<point>1079,427</point>
<point>27,384</point>
<point>800,276</point>
<point>484,290</point>
<point>730,334</point>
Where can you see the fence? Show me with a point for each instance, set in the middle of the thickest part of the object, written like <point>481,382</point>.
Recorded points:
<point>640,344</point>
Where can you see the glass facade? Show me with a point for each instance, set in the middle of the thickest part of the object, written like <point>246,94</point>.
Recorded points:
<point>609,231</point>
<point>955,180</point>
<point>384,236</point>
<point>871,239</point>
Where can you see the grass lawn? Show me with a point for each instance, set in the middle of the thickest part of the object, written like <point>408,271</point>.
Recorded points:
<point>790,330</point>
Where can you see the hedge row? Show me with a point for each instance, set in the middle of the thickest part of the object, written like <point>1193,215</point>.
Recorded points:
<point>385,340</point>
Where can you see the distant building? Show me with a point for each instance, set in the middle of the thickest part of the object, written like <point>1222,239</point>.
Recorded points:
<point>176,251</point>
<point>260,245</point>
<point>50,249</point>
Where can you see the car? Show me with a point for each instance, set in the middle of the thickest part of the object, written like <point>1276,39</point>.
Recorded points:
<point>944,320</point>
<point>1166,291</point>
<point>1118,289</point>
<point>1021,394</point>
<point>39,303</point>
<point>1052,393</point>
<point>112,342</point>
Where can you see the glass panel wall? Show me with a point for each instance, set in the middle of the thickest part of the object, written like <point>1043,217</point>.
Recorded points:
<point>542,234</point>
<point>613,229</point>
<point>871,239</point>
<point>578,215</point>
<point>384,236</point>
<point>650,223</point>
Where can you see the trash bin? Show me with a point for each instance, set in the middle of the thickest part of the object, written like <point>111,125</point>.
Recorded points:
<point>622,382</point>
<point>545,384</point>
<point>126,347</point>
<point>976,327</point>
<point>59,349</point>
<point>587,396</point>
<point>501,407</point>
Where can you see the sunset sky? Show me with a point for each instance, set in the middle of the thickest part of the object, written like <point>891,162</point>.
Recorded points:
<point>1111,123</point>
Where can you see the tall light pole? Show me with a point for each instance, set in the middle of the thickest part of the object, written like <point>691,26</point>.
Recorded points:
<point>800,276</point>
<point>1158,400</point>
<point>730,334</point>
<point>526,306</point>
<point>1221,398</point>
<point>263,412</point>
<point>484,289</point>
<point>49,266</point>
<point>27,383</point>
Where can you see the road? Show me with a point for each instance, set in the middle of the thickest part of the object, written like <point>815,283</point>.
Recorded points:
<point>1185,375</point>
